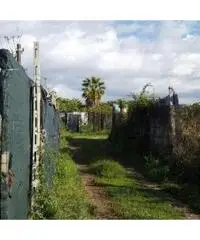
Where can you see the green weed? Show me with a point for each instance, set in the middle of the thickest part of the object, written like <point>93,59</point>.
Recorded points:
<point>66,198</point>
<point>108,169</point>
<point>131,199</point>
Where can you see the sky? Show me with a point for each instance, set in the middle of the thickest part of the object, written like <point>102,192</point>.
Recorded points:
<point>125,54</point>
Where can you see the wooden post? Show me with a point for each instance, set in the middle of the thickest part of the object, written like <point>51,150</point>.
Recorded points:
<point>172,121</point>
<point>19,52</point>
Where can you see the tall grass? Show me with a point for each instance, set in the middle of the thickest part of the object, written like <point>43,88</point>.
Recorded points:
<point>68,191</point>
<point>67,198</point>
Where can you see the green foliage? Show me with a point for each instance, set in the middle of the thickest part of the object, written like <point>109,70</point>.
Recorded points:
<point>189,111</point>
<point>44,205</point>
<point>134,122</point>
<point>130,199</point>
<point>93,89</point>
<point>186,193</point>
<point>69,105</point>
<point>111,102</point>
<point>99,119</point>
<point>88,130</point>
<point>187,151</point>
<point>122,103</point>
<point>103,108</point>
<point>181,167</point>
<point>155,169</point>
<point>66,199</point>
<point>108,169</point>
<point>141,101</point>
<point>68,191</point>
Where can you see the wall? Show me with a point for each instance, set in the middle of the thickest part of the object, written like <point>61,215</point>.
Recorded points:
<point>160,129</point>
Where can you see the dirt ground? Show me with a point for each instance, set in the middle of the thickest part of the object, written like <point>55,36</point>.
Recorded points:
<point>103,207</point>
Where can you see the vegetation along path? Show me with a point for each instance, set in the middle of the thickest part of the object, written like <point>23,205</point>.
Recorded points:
<point>117,192</point>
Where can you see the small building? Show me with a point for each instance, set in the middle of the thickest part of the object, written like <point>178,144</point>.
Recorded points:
<point>74,120</point>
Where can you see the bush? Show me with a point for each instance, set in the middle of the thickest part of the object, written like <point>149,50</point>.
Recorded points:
<point>187,150</point>
<point>155,169</point>
<point>108,169</point>
<point>45,205</point>
<point>86,128</point>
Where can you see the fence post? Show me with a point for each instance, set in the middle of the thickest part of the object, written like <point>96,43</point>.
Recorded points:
<point>36,124</point>
<point>19,52</point>
<point>172,113</point>
<point>173,128</point>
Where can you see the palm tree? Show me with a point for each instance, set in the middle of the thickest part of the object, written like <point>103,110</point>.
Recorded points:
<point>93,89</point>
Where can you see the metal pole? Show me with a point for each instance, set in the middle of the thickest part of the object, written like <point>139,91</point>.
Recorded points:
<point>36,122</point>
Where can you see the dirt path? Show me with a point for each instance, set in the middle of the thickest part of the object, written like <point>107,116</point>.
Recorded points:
<point>103,207</point>
<point>149,185</point>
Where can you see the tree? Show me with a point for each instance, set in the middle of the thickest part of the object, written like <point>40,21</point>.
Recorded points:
<point>93,89</point>
<point>103,108</point>
<point>122,103</point>
<point>69,105</point>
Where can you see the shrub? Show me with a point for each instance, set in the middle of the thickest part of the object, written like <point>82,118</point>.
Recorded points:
<point>155,169</point>
<point>108,169</point>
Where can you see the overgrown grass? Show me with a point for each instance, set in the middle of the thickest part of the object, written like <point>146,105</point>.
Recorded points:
<point>155,169</point>
<point>68,191</point>
<point>108,169</point>
<point>187,193</point>
<point>67,198</point>
<point>158,171</point>
<point>89,131</point>
<point>86,149</point>
<point>85,135</point>
<point>132,200</point>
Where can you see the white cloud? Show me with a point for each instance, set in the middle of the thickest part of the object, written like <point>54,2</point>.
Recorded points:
<point>65,91</point>
<point>122,54</point>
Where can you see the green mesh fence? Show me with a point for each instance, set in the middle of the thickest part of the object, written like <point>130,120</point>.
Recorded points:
<point>51,127</point>
<point>16,135</point>
<point>16,129</point>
